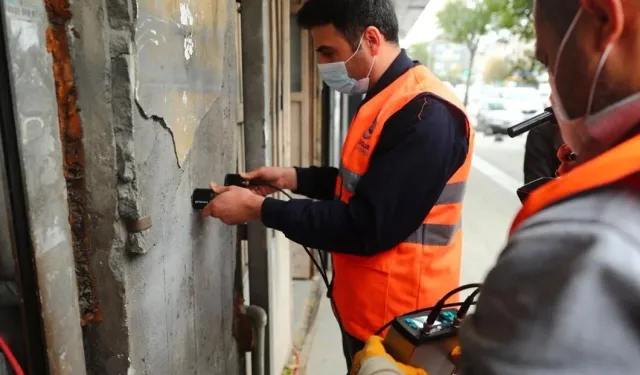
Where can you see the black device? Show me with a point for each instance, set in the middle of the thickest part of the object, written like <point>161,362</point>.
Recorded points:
<point>201,198</point>
<point>526,190</point>
<point>426,338</point>
<point>237,180</point>
<point>545,117</point>
<point>408,342</point>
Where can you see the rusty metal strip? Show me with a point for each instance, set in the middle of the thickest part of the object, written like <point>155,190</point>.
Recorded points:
<point>73,155</point>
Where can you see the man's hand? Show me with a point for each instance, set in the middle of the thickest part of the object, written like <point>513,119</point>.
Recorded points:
<point>282,178</point>
<point>567,157</point>
<point>234,205</point>
<point>374,350</point>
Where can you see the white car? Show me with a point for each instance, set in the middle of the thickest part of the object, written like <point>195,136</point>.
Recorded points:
<point>497,115</point>
<point>525,99</point>
<point>545,93</point>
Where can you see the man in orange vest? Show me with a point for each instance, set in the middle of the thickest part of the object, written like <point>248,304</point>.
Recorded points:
<point>564,297</point>
<point>390,215</point>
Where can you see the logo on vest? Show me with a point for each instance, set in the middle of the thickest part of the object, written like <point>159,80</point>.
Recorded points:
<point>367,133</point>
<point>364,146</point>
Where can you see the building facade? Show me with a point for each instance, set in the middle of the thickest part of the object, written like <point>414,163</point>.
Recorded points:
<point>117,110</point>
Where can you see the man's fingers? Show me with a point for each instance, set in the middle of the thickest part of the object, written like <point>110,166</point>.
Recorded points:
<point>564,152</point>
<point>206,211</point>
<point>218,189</point>
<point>250,175</point>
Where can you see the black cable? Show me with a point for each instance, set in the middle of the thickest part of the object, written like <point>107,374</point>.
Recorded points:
<point>466,305</point>
<point>321,269</point>
<point>434,311</point>
<point>446,306</point>
<point>433,315</point>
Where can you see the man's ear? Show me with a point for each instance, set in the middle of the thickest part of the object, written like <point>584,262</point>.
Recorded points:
<point>373,38</point>
<point>610,16</point>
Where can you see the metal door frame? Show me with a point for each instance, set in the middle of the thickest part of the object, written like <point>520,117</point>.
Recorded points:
<point>17,213</point>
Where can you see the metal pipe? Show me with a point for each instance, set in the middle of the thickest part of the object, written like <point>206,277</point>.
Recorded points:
<point>259,318</point>
<point>256,67</point>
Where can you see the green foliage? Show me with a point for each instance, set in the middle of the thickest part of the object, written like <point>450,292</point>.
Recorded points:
<point>516,16</point>
<point>527,67</point>
<point>513,15</point>
<point>421,53</point>
<point>464,23</point>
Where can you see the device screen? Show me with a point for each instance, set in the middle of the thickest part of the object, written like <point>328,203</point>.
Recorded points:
<point>420,320</point>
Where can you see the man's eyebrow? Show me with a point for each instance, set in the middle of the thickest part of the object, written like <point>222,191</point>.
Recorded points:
<point>324,49</point>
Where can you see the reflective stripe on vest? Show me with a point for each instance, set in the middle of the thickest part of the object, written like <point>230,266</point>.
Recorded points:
<point>434,234</point>
<point>427,234</point>
<point>349,179</point>
<point>615,165</point>
<point>369,291</point>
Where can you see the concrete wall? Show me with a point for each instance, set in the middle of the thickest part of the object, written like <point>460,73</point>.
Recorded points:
<point>156,90</point>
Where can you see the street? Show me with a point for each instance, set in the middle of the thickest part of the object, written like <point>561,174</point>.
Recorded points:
<point>490,205</point>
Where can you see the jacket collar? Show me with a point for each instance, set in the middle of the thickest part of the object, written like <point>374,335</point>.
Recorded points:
<point>398,67</point>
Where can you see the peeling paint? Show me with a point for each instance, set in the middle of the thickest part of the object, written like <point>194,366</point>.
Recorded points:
<point>189,48</point>
<point>180,91</point>
<point>73,156</point>
<point>185,15</point>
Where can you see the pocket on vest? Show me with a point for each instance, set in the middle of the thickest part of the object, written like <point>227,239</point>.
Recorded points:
<point>378,262</point>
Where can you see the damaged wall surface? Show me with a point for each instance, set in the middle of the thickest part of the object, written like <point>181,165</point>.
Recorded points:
<point>156,85</point>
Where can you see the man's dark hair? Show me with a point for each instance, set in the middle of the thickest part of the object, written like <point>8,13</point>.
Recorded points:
<point>351,17</point>
<point>559,13</point>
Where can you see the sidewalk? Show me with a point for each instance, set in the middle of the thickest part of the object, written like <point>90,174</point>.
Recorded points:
<point>326,356</point>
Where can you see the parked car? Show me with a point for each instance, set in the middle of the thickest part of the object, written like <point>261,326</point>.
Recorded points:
<point>525,99</point>
<point>545,93</point>
<point>496,115</point>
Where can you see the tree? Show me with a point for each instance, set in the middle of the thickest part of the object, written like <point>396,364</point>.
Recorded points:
<point>421,53</point>
<point>497,70</point>
<point>465,23</point>
<point>527,67</point>
<point>515,16</point>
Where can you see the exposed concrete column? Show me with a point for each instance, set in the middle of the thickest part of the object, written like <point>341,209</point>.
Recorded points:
<point>256,89</point>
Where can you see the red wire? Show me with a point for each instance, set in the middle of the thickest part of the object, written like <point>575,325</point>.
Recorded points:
<point>12,360</point>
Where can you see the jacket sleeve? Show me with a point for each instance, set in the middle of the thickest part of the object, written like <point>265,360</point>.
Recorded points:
<point>420,148</point>
<point>563,298</point>
<point>317,182</point>
<point>379,366</point>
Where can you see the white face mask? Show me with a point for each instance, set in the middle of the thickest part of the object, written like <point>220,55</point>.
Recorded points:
<point>335,75</point>
<point>605,127</point>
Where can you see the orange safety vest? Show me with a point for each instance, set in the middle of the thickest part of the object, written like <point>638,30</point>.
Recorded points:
<point>370,291</point>
<point>620,164</point>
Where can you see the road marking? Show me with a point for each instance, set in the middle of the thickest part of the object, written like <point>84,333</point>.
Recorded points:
<point>496,174</point>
